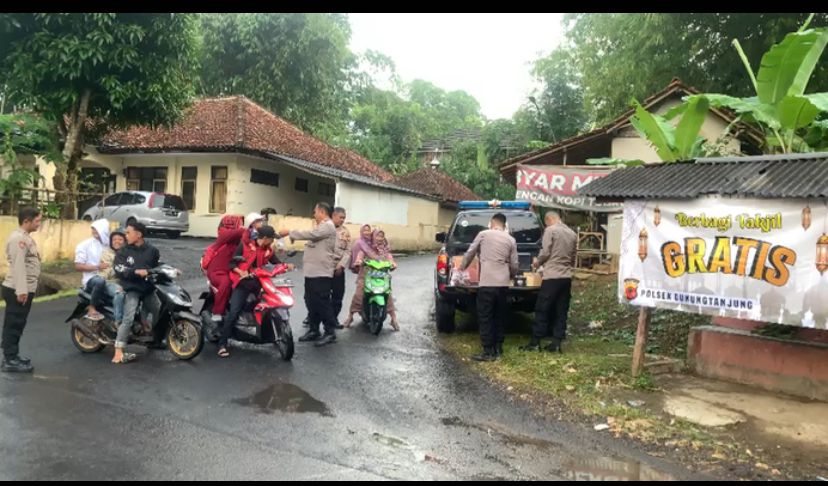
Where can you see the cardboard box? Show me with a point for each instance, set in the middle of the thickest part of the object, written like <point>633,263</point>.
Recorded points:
<point>473,268</point>
<point>533,279</point>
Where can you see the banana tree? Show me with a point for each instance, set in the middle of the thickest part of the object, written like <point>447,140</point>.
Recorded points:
<point>672,143</point>
<point>789,117</point>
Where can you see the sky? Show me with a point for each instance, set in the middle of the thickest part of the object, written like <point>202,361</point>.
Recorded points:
<point>488,55</point>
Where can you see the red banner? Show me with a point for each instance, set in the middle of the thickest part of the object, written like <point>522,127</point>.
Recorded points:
<point>557,187</point>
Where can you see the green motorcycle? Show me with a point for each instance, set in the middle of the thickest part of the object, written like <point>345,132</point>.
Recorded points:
<point>377,291</point>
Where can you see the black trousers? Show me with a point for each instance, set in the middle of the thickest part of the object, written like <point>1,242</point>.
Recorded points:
<point>337,293</point>
<point>237,299</point>
<point>492,312</point>
<point>14,322</point>
<point>319,305</point>
<point>552,308</point>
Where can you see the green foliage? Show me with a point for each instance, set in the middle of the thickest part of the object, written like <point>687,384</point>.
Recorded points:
<point>555,111</point>
<point>98,69</point>
<point>622,55</point>
<point>138,67</point>
<point>21,134</point>
<point>781,106</point>
<point>297,65</point>
<point>681,142</point>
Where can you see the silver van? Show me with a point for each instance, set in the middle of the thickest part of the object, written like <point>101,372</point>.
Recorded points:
<point>160,212</point>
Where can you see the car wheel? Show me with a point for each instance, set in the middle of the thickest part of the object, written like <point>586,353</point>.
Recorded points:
<point>173,234</point>
<point>87,218</point>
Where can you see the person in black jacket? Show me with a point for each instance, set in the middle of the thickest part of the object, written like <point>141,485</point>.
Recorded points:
<point>132,265</point>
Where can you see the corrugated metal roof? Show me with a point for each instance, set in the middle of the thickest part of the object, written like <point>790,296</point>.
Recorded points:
<point>764,176</point>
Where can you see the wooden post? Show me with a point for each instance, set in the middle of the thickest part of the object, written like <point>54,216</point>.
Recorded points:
<point>640,349</point>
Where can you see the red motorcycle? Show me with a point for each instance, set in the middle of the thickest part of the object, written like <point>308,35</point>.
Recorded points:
<point>265,318</point>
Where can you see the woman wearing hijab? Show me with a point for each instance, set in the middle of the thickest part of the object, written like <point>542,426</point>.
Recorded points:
<point>362,247</point>
<point>373,246</point>
<point>230,233</point>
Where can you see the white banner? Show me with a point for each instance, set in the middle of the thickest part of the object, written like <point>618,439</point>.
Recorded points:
<point>760,259</point>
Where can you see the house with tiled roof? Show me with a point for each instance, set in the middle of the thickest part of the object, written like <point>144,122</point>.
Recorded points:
<point>435,182</point>
<point>618,139</point>
<point>230,155</point>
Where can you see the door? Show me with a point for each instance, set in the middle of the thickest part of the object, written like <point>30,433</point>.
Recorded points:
<point>111,203</point>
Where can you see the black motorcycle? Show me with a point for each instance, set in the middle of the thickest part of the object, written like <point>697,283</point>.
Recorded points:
<point>167,309</point>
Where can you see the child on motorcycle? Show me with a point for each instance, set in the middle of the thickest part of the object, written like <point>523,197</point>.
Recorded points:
<point>249,256</point>
<point>105,282</point>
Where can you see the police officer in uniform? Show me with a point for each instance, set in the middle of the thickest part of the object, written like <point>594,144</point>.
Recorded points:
<point>19,288</point>
<point>497,251</point>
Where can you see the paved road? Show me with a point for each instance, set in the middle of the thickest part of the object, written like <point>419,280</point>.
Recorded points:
<point>387,407</point>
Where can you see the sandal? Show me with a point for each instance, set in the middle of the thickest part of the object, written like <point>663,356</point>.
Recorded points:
<point>126,358</point>
<point>223,352</point>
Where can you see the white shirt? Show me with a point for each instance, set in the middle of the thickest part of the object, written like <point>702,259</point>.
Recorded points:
<point>89,251</point>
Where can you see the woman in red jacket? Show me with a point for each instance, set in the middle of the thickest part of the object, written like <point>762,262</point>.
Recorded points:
<point>230,233</point>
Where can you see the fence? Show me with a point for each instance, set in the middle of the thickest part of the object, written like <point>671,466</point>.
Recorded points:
<point>46,200</point>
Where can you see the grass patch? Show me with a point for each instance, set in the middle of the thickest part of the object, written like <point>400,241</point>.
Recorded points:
<point>595,301</point>
<point>47,298</point>
<point>60,267</point>
<point>587,379</point>
<point>593,377</point>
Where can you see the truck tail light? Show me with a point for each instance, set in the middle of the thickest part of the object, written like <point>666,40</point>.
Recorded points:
<point>442,264</point>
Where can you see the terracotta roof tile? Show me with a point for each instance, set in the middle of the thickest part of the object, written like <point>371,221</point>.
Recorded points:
<point>236,123</point>
<point>439,184</point>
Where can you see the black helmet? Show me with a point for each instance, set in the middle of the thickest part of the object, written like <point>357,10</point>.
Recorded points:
<point>266,232</point>
<point>119,231</point>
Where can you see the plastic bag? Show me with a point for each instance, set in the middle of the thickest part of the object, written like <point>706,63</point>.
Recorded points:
<point>460,278</point>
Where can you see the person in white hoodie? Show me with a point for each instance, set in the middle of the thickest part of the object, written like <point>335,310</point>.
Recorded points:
<point>88,258</point>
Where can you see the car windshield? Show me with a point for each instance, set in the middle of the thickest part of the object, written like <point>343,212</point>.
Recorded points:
<point>523,226</point>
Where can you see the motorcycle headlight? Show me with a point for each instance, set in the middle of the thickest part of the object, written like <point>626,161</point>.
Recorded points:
<point>170,272</point>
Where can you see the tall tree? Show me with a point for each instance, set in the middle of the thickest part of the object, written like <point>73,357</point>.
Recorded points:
<point>555,110</point>
<point>446,111</point>
<point>297,65</point>
<point>387,129</point>
<point>117,68</point>
<point>624,55</point>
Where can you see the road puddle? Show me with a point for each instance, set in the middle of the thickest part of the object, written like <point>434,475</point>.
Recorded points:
<point>596,468</point>
<point>285,397</point>
<point>610,469</point>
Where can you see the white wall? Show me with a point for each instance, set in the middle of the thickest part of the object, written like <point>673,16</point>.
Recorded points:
<point>371,205</point>
<point>285,199</point>
<point>413,220</point>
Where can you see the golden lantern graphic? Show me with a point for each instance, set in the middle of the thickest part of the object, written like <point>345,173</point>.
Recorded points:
<point>806,217</point>
<point>656,216</point>
<point>642,244</point>
<point>822,254</point>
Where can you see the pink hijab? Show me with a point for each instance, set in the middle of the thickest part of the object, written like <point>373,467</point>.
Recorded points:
<point>383,249</point>
<point>363,244</point>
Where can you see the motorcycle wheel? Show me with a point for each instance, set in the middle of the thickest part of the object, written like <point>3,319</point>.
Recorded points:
<point>184,339</point>
<point>284,338</point>
<point>374,321</point>
<point>83,343</point>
